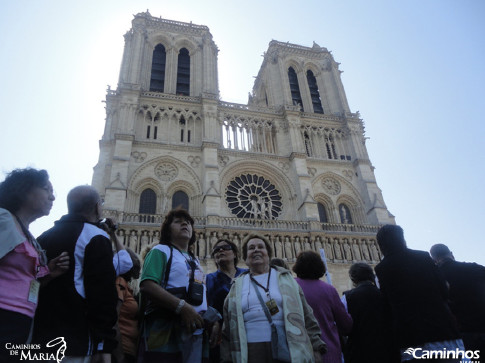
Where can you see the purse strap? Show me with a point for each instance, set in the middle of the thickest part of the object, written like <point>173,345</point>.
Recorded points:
<point>265,308</point>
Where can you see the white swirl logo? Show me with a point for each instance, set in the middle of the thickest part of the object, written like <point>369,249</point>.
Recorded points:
<point>410,351</point>
<point>62,347</point>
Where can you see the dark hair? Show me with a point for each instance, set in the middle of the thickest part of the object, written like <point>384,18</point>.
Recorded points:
<point>309,266</point>
<point>439,251</point>
<point>251,236</point>
<point>361,271</point>
<point>17,185</point>
<point>391,239</point>
<point>136,265</point>
<point>82,200</point>
<point>279,262</point>
<point>165,231</point>
<point>234,248</point>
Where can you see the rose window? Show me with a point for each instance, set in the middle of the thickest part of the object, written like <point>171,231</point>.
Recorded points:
<point>252,196</point>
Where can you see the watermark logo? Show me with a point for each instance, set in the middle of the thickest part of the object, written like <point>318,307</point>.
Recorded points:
<point>60,350</point>
<point>53,351</point>
<point>464,355</point>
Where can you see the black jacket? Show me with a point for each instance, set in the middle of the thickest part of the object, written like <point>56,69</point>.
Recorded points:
<point>370,340</point>
<point>467,294</point>
<point>417,294</point>
<point>80,305</point>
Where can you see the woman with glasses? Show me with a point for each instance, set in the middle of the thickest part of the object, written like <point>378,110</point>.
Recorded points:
<point>266,316</point>
<point>25,195</point>
<point>226,257</point>
<point>173,285</point>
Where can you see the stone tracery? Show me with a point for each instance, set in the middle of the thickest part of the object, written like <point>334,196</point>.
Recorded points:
<point>252,196</point>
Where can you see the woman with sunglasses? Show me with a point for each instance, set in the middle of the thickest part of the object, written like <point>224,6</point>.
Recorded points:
<point>25,195</point>
<point>226,257</point>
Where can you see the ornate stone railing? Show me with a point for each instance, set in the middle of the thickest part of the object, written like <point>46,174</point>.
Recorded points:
<point>361,228</point>
<point>260,224</point>
<point>242,107</point>
<point>169,96</point>
<point>155,220</point>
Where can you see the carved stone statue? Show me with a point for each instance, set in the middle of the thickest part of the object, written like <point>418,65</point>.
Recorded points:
<point>328,249</point>
<point>306,244</point>
<point>213,241</point>
<point>278,247</point>
<point>318,245</point>
<point>356,250</point>
<point>288,249</point>
<point>348,252</point>
<point>373,251</point>
<point>133,241</point>
<point>144,241</point>
<point>338,250</point>
<point>297,246</point>
<point>156,237</point>
<point>202,246</point>
<point>164,203</point>
<point>365,251</point>
<point>262,207</point>
<point>254,208</point>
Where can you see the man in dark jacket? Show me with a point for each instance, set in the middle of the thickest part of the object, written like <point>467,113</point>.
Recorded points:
<point>417,294</point>
<point>370,340</point>
<point>81,304</point>
<point>467,295</point>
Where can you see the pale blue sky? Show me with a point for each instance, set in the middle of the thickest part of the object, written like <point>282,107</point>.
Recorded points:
<point>414,70</point>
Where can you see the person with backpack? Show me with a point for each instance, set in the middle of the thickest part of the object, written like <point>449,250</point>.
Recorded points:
<point>173,286</point>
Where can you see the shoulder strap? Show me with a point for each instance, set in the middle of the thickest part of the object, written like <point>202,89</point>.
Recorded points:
<point>265,308</point>
<point>167,268</point>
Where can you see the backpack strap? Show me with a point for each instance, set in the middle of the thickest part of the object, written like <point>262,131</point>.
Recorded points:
<point>167,268</point>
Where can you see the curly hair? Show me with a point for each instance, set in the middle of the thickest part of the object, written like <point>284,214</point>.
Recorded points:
<point>309,266</point>
<point>251,236</point>
<point>14,190</point>
<point>165,231</point>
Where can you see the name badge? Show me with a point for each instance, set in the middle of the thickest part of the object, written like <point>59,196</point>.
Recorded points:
<point>34,291</point>
<point>199,276</point>
<point>272,307</point>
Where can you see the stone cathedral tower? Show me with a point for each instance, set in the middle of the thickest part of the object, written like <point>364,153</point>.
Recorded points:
<point>291,164</point>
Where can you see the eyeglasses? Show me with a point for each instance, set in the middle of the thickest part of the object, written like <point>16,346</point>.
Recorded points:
<point>221,248</point>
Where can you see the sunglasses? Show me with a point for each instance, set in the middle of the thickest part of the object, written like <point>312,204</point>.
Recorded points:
<point>221,248</point>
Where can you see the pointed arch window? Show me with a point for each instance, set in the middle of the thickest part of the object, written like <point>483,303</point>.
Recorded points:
<point>148,202</point>
<point>180,199</point>
<point>345,215</point>
<point>314,93</point>
<point>183,73</point>
<point>157,79</point>
<point>294,88</point>
<point>322,213</point>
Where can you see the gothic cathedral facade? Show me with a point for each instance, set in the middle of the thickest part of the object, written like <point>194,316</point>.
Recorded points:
<point>291,164</point>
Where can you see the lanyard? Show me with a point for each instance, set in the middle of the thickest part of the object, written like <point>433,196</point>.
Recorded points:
<point>190,262</point>
<point>266,289</point>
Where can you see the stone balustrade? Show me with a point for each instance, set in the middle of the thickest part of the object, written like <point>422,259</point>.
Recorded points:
<point>342,243</point>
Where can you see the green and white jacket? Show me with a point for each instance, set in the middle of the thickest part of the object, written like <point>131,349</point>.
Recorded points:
<point>302,330</point>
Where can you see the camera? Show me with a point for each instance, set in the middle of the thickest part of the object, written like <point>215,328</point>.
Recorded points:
<point>195,295</point>
<point>108,222</point>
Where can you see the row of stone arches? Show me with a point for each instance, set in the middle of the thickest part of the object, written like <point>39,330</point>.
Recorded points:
<point>263,193</point>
